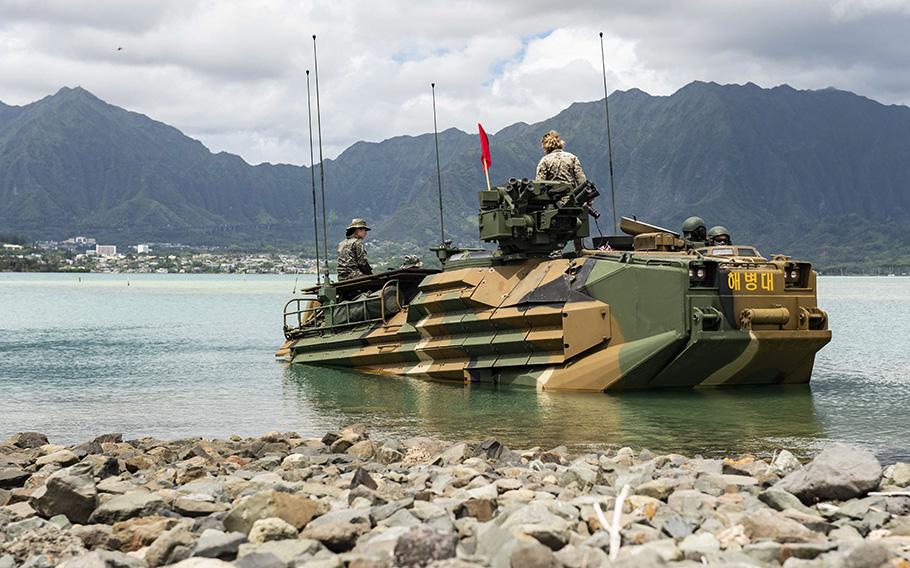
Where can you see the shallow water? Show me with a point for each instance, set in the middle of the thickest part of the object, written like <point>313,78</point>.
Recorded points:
<point>186,355</point>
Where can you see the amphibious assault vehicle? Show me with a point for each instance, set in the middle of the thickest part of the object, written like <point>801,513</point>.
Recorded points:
<point>641,310</point>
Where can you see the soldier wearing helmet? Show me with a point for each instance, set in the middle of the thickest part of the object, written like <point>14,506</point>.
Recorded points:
<point>557,164</point>
<point>719,235</point>
<point>352,256</point>
<point>694,231</point>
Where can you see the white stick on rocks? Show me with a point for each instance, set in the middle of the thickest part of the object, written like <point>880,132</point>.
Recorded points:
<point>613,528</point>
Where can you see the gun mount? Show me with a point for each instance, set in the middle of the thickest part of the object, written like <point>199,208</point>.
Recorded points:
<point>535,218</point>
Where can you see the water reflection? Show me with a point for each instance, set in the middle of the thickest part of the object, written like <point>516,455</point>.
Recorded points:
<point>715,421</point>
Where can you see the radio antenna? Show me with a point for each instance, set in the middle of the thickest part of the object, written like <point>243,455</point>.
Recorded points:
<point>309,114</point>
<point>442,224</point>
<point>325,237</point>
<point>603,63</point>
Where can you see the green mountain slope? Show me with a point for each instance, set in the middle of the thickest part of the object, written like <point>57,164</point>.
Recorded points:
<point>822,174</point>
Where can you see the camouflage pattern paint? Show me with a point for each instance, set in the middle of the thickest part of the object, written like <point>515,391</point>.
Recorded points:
<point>602,321</point>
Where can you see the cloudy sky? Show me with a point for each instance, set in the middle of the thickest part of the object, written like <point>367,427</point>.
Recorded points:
<point>232,73</point>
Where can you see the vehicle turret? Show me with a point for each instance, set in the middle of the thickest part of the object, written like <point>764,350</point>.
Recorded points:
<point>534,218</point>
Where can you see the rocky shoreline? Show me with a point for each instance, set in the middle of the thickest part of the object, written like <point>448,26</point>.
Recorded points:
<point>347,500</point>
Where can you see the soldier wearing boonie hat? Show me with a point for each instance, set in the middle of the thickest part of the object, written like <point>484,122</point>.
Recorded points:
<point>352,256</point>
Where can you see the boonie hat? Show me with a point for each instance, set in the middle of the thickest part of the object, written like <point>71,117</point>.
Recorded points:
<point>358,224</point>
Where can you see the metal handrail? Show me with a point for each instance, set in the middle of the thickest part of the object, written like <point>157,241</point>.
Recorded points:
<point>299,312</point>
<point>317,310</point>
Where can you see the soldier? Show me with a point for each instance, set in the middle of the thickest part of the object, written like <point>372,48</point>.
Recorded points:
<point>352,257</point>
<point>694,232</point>
<point>557,164</point>
<point>719,235</point>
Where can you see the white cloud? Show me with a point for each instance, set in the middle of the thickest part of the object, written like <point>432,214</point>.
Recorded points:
<point>231,73</point>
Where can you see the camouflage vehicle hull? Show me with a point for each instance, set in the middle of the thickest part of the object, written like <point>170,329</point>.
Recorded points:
<point>599,321</point>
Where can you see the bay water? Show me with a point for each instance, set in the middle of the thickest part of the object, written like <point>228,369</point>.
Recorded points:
<point>193,355</point>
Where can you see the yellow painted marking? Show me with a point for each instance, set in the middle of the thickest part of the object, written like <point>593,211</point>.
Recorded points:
<point>750,281</point>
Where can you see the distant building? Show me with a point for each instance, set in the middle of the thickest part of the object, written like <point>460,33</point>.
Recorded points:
<point>142,249</point>
<point>79,243</point>
<point>10,246</point>
<point>106,250</point>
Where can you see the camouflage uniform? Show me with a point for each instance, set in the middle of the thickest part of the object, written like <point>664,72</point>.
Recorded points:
<point>560,165</point>
<point>352,259</point>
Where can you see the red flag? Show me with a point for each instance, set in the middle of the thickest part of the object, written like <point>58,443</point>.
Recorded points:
<point>484,148</point>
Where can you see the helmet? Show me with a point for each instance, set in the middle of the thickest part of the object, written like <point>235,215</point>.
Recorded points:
<point>718,231</point>
<point>693,224</point>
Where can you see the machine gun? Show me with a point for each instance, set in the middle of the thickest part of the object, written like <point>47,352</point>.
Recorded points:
<point>535,218</point>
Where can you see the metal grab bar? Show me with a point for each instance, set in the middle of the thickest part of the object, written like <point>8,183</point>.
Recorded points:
<point>313,313</point>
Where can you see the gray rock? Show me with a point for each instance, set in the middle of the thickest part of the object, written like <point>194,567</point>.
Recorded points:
<point>900,474</point>
<point>381,512</point>
<point>656,488</point>
<point>328,562</point>
<point>128,506</point>
<point>536,520</point>
<point>785,462</point>
<point>103,559</point>
<point>490,449</point>
<point>420,546</point>
<point>766,552</point>
<point>62,458</point>
<point>845,533</point>
<point>766,524</point>
<point>171,547</point>
<point>676,526</point>
<point>642,557</point>
<point>584,476</point>
<point>480,509</point>
<point>492,539</point>
<point>272,528</point>
<point>7,561</point>
<point>690,502</point>
<point>839,472</point>
<point>859,508</point>
<point>96,536</point>
<point>337,537</point>
<point>342,516</point>
<point>218,544</point>
<point>531,554</point>
<point>261,560</point>
<point>44,546</point>
<point>69,492</point>
<point>781,499</point>
<point>16,528</point>
<point>196,508</point>
<point>455,454</point>
<point>296,510</point>
<point>581,556</point>
<point>285,550</point>
<point>61,522</point>
<point>12,477</point>
<point>361,477</point>
<point>202,563</point>
<point>379,544</point>
<point>28,440</point>
<point>401,518</point>
<point>868,555</point>
<point>699,546</point>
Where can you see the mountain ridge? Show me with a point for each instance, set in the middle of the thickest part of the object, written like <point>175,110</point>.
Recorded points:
<point>773,164</point>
